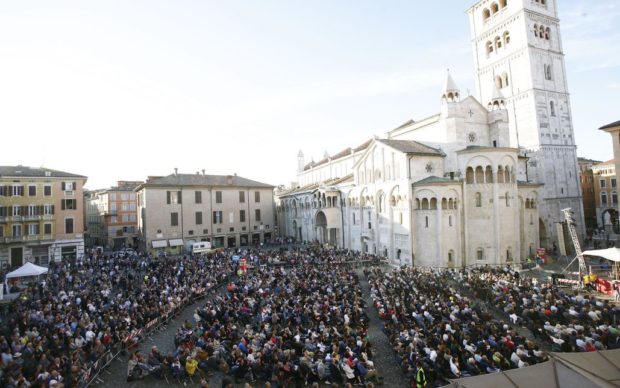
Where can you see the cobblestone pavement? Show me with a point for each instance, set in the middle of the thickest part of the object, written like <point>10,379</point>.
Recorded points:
<point>383,355</point>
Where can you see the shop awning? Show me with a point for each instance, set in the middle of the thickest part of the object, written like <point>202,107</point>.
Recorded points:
<point>175,242</point>
<point>159,243</point>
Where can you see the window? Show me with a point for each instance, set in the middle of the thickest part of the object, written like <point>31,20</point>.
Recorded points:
<point>547,33</point>
<point>3,211</point>
<point>18,191</point>
<point>478,200</point>
<point>198,197</point>
<point>173,197</point>
<point>17,230</point>
<point>241,196</point>
<point>480,254</point>
<point>449,220</point>
<point>48,210</point>
<point>552,108</point>
<point>547,71</point>
<point>191,232</point>
<point>218,197</point>
<point>32,191</point>
<point>257,196</point>
<point>603,183</point>
<point>426,222</point>
<point>17,211</point>
<point>613,182</point>
<point>217,217</point>
<point>400,218</point>
<point>603,199</point>
<point>68,225</point>
<point>1,231</point>
<point>124,207</point>
<point>489,48</point>
<point>257,214</point>
<point>68,204</point>
<point>205,231</point>
<point>353,218</point>
<point>241,214</point>
<point>486,14</point>
<point>507,199</point>
<point>614,198</point>
<point>47,190</point>
<point>198,217</point>
<point>47,228</point>
<point>174,219</point>
<point>33,229</point>
<point>113,220</point>
<point>68,186</point>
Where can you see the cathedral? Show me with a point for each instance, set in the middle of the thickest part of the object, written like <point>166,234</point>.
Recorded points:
<point>483,181</point>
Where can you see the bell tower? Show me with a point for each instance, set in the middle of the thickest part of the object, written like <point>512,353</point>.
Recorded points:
<point>517,51</point>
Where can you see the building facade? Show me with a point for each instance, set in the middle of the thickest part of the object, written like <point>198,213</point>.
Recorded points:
<point>112,218</point>
<point>606,196</point>
<point>180,209</point>
<point>517,49</point>
<point>586,178</point>
<point>422,194</point>
<point>41,215</point>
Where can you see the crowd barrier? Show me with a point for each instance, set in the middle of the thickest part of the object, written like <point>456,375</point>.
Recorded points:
<point>136,336</point>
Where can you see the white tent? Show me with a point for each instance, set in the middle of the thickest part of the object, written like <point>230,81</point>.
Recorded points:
<point>27,269</point>
<point>612,254</point>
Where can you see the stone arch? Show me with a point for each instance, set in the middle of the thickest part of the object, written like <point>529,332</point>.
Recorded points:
<point>469,175</point>
<point>433,203</point>
<point>488,174</point>
<point>501,178</point>
<point>425,204</point>
<point>479,174</point>
<point>486,13</point>
<point>494,8</point>
<point>444,204</point>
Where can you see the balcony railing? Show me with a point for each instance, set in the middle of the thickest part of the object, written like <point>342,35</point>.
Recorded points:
<point>14,239</point>
<point>4,219</point>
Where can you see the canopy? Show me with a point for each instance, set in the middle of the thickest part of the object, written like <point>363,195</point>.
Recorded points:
<point>27,269</point>
<point>612,254</point>
<point>564,370</point>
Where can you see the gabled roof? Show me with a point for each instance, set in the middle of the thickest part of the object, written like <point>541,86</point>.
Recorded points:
<point>203,180</point>
<point>432,180</point>
<point>33,172</point>
<point>611,125</point>
<point>411,147</point>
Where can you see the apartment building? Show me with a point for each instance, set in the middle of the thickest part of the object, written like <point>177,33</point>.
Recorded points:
<point>179,209</point>
<point>41,215</point>
<point>606,196</point>
<point>586,178</point>
<point>112,220</point>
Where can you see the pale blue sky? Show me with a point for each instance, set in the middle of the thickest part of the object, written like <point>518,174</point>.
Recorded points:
<point>125,89</point>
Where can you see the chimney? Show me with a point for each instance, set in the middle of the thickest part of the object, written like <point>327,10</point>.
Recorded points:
<point>176,170</point>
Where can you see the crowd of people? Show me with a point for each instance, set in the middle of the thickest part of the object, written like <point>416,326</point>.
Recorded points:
<point>439,334</point>
<point>280,325</point>
<point>566,320</point>
<point>61,326</point>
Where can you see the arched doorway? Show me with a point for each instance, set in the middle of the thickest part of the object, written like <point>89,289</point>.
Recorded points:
<point>542,233</point>
<point>320,223</point>
<point>609,220</point>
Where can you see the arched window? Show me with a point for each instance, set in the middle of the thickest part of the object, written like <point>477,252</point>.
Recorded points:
<point>449,220</point>
<point>498,42</point>
<point>426,221</point>
<point>508,174</point>
<point>547,69</point>
<point>541,32</point>
<point>478,200</point>
<point>417,203</point>
<point>486,14</point>
<point>489,48</point>
<point>503,3</point>
<point>494,8</point>
<point>469,175</point>
<point>353,218</point>
<point>450,204</point>
<point>425,204</point>
<point>500,175</point>
<point>506,38</point>
<point>488,175</point>
<point>507,199</point>
<point>527,203</point>
<point>380,201</point>
<point>536,30</point>
<point>547,33</point>
<point>479,175</point>
<point>444,204</point>
<point>505,79</point>
<point>433,203</point>
<point>498,82</point>
<point>552,108</point>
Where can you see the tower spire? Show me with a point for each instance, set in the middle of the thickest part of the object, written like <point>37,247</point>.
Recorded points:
<point>450,92</point>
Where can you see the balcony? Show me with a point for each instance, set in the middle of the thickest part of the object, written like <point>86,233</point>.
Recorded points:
<point>31,218</point>
<point>14,239</point>
<point>4,219</point>
<point>369,233</point>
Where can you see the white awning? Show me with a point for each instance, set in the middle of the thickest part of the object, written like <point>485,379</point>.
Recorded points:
<point>159,243</point>
<point>612,254</point>
<point>175,242</point>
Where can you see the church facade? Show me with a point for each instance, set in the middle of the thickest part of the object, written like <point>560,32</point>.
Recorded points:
<point>481,182</point>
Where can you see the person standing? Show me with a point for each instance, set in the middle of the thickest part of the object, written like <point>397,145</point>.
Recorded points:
<point>420,375</point>
<point>616,291</point>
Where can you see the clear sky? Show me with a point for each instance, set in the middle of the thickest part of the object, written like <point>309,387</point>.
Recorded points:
<point>119,90</point>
